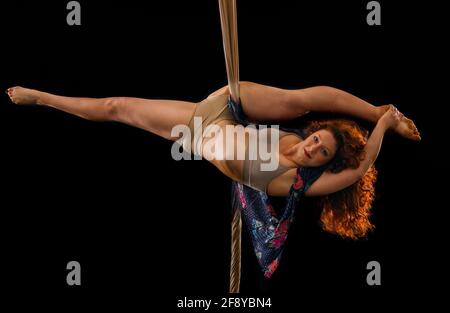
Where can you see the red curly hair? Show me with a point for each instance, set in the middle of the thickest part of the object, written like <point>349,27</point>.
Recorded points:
<point>347,211</point>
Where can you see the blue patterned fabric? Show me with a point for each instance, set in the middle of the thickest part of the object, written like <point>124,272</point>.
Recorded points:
<point>268,229</point>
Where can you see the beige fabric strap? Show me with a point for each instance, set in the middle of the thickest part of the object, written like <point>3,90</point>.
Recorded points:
<point>235,264</point>
<point>228,20</point>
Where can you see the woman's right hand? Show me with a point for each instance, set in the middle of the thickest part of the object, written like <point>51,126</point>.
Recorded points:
<point>391,118</point>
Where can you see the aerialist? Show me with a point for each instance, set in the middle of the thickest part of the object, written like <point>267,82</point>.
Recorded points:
<point>341,148</point>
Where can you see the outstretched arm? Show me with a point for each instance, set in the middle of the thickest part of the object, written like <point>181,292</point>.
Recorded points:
<point>329,183</point>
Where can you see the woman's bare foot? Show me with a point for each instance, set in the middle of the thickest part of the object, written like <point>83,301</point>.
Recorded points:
<point>20,95</point>
<point>406,127</point>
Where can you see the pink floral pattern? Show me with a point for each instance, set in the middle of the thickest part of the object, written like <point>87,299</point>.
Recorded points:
<point>271,268</point>
<point>280,234</point>
<point>298,182</point>
<point>242,198</point>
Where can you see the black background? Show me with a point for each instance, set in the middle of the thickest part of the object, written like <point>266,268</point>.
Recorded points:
<point>148,230</point>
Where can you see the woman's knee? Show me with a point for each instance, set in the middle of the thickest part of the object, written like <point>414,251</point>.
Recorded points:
<point>114,108</point>
<point>296,102</point>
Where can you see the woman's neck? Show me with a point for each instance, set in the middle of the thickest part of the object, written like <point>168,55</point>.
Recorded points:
<point>287,150</point>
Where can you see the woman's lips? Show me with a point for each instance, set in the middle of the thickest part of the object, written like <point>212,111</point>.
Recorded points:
<point>307,154</point>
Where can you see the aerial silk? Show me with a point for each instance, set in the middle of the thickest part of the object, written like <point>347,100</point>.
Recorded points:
<point>267,228</point>
<point>228,22</point>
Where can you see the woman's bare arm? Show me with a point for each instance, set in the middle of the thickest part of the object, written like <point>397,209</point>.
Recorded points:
<point>329,183</point>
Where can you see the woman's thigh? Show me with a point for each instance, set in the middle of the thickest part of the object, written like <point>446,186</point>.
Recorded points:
<point>266,103</point>
<point>155,115</point>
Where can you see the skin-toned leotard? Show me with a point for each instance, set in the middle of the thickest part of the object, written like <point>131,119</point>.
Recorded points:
<point>215,109</point>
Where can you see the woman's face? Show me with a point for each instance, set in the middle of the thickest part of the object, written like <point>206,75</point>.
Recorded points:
<point>316,150</point>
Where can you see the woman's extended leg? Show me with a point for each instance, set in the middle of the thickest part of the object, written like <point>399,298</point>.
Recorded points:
<point>156,116</point>
<point>265,103</point>
<point>261,102</point>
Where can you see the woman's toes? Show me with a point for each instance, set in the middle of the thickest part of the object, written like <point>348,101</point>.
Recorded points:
<point>411,125</point>
<point>19,95</point>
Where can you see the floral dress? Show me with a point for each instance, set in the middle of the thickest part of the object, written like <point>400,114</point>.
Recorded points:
<point>268,229</point>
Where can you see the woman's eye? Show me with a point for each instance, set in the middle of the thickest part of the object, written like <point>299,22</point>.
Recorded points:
<point>324,152</point>
<point>316,139</point>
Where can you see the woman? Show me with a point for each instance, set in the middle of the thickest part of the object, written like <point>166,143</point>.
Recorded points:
<point>340,144</point>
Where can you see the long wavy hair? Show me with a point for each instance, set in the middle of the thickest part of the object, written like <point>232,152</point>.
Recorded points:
<point>347,212</point>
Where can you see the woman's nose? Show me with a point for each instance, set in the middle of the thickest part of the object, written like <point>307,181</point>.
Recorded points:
<point>314,148</point>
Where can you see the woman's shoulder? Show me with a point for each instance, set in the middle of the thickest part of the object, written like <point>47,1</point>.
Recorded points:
<point>290,134</point>
<point>280,185</point>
